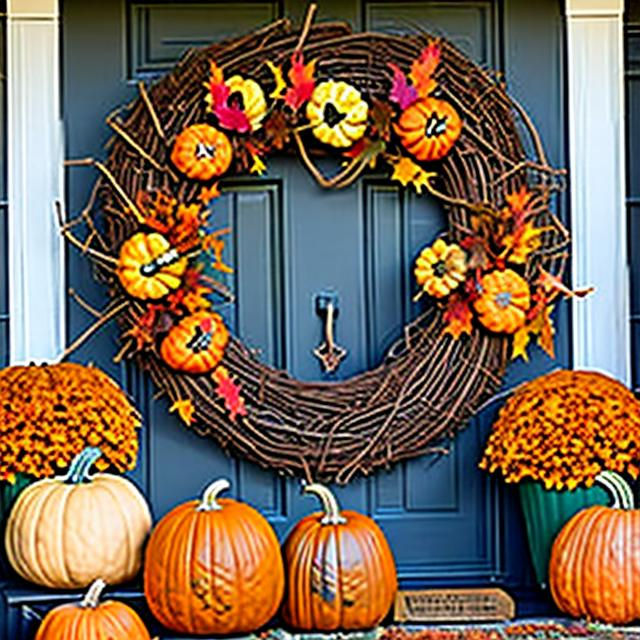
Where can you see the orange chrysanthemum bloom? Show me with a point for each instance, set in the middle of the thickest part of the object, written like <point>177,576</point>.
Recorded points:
<point>49,413</point>
<point>563,429</point>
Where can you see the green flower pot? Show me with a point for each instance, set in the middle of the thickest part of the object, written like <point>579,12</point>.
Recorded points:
<point>9,493</point>
<point>546,512</point>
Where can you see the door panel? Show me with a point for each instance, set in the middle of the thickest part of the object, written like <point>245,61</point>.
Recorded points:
<point>446,521</point>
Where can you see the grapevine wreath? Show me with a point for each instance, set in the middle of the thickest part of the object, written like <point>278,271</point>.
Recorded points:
<point>412,105</point>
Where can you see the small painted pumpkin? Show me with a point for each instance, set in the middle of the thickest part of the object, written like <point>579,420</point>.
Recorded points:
<point>213,566</point>
<point>66,532</point>
<point>503,301</point>
<point>248,96</point>
<point>196,344</point>
<point>202,152</point>
<point>148,268</point>
<point>337,113</point>
<point>91,619</point>
<point>340,570</point>
<point>429,128</point>
<point>440,268</point>
<point>594,571</point>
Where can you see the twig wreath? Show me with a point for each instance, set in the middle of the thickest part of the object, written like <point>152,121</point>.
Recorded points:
<point>412,103</point>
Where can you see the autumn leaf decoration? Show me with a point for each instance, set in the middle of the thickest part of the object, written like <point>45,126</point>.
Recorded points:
<point>230,115</point>
<point>229,391</point>
<point>403,93</point>
<point>302,80</point>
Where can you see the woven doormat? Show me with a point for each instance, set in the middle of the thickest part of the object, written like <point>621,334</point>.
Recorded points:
<point>551,630</point>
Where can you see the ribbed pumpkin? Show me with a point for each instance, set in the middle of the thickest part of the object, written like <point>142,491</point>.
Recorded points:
<point>337,113</point>
<point>148,268</point>
<point>213,566</point>
<point>503,301</point>
<point>594,570</point>
<point>248,96</point>
<point>91,619</point>
<point>202,152</point>
<point>429,128</point>
<point>441,268</point>
<point>339,568</point>
<point>196,344</point>
<point>66,532</point>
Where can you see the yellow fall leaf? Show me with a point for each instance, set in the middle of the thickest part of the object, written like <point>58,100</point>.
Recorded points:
<point>527,241</point>
<point>406,172</point>
<point>258,166</point>
<point>520,343</point>
<point>281,85</point>
<point>184,409</point>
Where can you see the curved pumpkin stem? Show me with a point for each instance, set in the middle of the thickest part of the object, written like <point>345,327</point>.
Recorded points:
<point>330,504</point>
<point>618,489</point>
<point>92,597</point>
<point>80,465</point>
<point>211,493</point>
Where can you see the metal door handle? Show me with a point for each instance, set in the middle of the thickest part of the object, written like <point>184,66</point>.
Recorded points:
<point>329,352</point>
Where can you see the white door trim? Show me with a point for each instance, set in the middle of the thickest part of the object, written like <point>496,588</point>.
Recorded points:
<point>595,56</point>
<point>35,181</point>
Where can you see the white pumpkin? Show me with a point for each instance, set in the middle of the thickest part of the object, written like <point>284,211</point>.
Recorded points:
<point>66,532</point>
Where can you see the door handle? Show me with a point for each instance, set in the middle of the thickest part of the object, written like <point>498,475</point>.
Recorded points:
<point>328,352</point>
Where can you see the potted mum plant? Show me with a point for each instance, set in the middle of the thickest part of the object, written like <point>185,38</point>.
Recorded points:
<point>553,437</point>
<point>49,413</point>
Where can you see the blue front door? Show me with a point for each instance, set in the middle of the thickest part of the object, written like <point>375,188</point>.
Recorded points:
<point>447,522</point>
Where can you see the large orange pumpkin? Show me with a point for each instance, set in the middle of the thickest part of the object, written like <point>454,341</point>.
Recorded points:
<point>93,620</point>
<point>196,344</point>
<point>148,268</point>
<point>202,152</point>
<point>503,301</point>
<point>594,570</point>
<point>429,128</point>
<point>213,566</point>
<point>66,532</point>
<point>340,570</point>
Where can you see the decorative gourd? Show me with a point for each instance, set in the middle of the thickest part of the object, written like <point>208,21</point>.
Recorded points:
<point>248,96</point>
<point>196,344</point>
<point>91,619</point>
<point>441,268</point>
<point>202,152</point>
<point>148,268</point>
<point>213,566</point>
<point>66,532</point>
<point>337,113</point>
<point>594,570</point>
<point>340,570</point>
<point>503,301</point>
<point>429,128</point>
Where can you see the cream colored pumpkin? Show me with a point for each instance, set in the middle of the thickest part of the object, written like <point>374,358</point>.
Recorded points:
<point>66,532</point>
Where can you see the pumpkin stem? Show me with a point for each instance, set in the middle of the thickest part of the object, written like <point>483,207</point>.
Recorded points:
<point>80,465</point>
<point>330,504</point>
<point>618,489</point>
<point>92,597</point>
<point>211,493</point>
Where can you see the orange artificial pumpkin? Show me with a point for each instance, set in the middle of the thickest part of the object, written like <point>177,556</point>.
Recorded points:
<point>503,301</point>
<point>148,268</point>
<point>429,128</point>
<point>340,570</point>
<point>196,344</point>
<point>202,152</point>
<point>594,570</point>
<point>92,620</point>
<point>213,566</point>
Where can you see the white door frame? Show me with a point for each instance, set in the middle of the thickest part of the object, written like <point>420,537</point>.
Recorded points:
<point>601,333</point>
<point>35,181</point>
